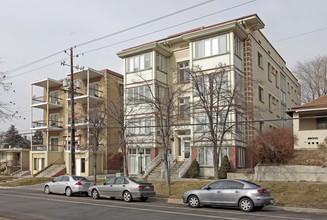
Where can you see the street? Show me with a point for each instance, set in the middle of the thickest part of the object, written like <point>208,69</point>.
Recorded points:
<point>32,203</point>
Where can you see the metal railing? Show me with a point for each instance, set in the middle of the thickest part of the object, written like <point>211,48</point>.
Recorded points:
<point>183,169</point>
<point>56,148</point>
<point>43,99</point>
<point>153,164</point>
<point>43,123</point>
<point>39,147</point>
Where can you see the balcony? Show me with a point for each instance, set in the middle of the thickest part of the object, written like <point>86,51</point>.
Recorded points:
<point>79,121</point>
<point>42,102</point>
<point>56,148</point>
<point>81,95</point>
<point>42,125</point>
<point>39,147</point>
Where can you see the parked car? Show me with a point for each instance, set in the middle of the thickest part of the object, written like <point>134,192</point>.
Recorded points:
<point>68,185</point>
<point>238,193</point>
<point>126,188</point>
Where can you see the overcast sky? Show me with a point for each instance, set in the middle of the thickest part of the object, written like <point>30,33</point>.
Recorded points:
<point>34,29</point>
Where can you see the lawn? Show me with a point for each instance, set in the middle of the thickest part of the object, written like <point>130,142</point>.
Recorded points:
<point>26,181</point>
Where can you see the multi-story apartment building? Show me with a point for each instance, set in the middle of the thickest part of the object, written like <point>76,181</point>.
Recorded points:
<point>238,45</point>
<point>51,114</point>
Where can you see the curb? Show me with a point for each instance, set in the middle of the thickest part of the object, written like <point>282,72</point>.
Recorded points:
<point>273,208</point>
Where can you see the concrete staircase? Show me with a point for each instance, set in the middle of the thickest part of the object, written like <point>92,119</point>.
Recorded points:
<point>52,171</point>
<point>21,173</point>
<point>159,172</point>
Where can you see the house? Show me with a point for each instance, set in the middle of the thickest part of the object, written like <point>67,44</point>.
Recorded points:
<point>310,123</point>
<point>51,114</point>
<point>239,46</point>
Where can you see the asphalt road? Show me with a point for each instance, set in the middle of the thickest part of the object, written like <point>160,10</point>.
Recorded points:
<point>31,203</point>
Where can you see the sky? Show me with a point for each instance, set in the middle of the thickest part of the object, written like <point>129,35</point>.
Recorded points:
<point>35,29</point>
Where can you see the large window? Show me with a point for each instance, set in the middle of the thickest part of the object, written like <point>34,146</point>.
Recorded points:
<point>260,61</point>
<point>184,108</point>
<point>139,94</point>
<point>54,97</point>
<point>183,75</point>
<point>139,62</point>
<point>322,122</point>
<point>205,156</point>
<point>241,157</point>
<point>261,94</point>
<point>238,47</point>
<point>139,126</point>
<point>211,46</point>
<point>162,63</point>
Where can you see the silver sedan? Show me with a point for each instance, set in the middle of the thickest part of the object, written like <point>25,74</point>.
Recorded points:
<point>235,193</point>
<point>126,188</point>
<point>68,185</point>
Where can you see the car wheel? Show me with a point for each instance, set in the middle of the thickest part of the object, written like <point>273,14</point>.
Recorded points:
<point>127,196</point>
<point>95,194</point>
<point>246,205</point>
<point>193,201</point>
<point>47,190</point>
<point>143,199</point>
<point>68,191</point>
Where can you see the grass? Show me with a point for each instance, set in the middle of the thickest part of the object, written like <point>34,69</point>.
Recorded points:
<point>309,157</point>
<point>5,178</point>
<point>26,182</point>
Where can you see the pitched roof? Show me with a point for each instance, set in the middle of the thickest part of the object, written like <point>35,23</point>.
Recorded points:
<point>319,103</point>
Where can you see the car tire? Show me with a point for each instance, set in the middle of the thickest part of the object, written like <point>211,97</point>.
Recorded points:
<point>246,205</point>
<point>68,191</point>
<point>193,201</point>
<point>95,194</point>
<point>47,190</point>
<point>127,196</point>
<point>143,199</point>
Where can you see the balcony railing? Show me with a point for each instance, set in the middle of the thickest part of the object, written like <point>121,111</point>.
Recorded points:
<point>56,148</point>
<point>78,120</point>
<point>39,148</point>
<point>92,92</point>
<point>43,99</point>
<point>43,123</point>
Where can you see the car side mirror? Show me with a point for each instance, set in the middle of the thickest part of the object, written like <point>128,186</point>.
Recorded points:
<point>53,181</point>
<point>104,183</point>
<point>207,187</point>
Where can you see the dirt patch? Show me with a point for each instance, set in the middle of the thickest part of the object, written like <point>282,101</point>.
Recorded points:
<point>309,157</point>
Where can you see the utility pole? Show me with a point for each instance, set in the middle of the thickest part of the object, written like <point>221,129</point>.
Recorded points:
<point>72,103</point>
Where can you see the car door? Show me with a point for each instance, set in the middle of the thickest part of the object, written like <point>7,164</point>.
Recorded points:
<point>54,184</point>
<point>118,187</point>
<point>231,192</point>
<point>63,183</point>
<point>211,194</point>
<point>106,188</point>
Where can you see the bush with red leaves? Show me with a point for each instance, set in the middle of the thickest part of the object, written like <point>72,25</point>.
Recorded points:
<point>272,146</point>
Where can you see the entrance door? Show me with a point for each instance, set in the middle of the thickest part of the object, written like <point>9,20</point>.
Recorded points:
<point>40,164</point>
<point>184,148</point>
<point>187,149</point>
<point>78,167</point>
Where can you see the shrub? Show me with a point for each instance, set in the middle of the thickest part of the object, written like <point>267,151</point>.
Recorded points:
<point>272,146</point>
<point>224,168</point>
<point>194,170</point>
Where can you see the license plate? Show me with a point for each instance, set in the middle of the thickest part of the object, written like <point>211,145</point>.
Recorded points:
<point>87,184</point>
<point>147,187</point>
<point>271,201</point>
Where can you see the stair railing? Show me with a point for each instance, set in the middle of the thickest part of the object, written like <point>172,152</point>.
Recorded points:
<point>183,169</point>
<point>152,164</point>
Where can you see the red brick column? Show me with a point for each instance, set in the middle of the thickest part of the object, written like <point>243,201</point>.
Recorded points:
<point>154,153</point>
<point>194,153</point>
<point>233,158</point>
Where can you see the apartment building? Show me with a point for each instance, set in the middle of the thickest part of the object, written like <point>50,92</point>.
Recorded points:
<point>51,114</point>
<point>237,45</point>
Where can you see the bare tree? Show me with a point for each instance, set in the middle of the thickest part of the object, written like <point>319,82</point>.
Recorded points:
<point>312,75</point>
<point>6,112</point>
<point>218,104</point>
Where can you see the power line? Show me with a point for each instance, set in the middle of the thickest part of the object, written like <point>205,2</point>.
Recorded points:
<point>299,35</point>
<point>106,36</point>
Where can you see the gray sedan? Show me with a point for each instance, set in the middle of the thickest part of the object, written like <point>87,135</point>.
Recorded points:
<point>126,188</point>
<point>68,185</point>
<point>235,193</point>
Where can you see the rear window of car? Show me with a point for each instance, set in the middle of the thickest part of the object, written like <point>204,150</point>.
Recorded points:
<point>78,178</point>
<point>253,185</point>
<point>137,180</point>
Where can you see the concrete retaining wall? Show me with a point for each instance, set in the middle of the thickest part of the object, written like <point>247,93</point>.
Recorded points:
<point>284,173</point>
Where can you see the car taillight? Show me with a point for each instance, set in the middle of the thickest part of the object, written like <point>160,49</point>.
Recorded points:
<point>152,186</point>
<point>78,183</point>
<point>261,191</point>
<point>141,187</point>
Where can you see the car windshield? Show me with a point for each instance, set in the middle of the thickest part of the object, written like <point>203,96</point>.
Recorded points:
<point>137,180</point>
<point>77,178</point>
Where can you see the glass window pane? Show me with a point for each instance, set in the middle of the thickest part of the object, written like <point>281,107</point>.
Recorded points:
<point>222,44</point>
<point>215,46</point>
<point>147,63</point>
<point>209,160</point>
<point>207,48</point>
<point>201,156</point>
<point>131,64</point>
<point>199,51</point>
<point>136,63</point>
<point>142,62</point>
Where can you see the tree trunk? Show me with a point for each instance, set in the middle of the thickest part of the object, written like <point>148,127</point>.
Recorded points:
<point>95,167</point>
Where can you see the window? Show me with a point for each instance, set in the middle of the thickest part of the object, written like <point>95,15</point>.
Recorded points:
<point>162,63</point>
<point>184,108</point>
<point>54,97</point>
<point>201,122</point>
<point>211,46</point>
<point>54,120</point>
<point>260,62</point>
<point>261,94</point>
<point>261,124</point>
<point>269,102</point>
<point>241,157</point>
<point>94,90</point>
<point>54,144</point>
<point>110,181</point>
<point>139,126</point>
<point>205,156</point>
<point>139,94</point>
<point>233,185</point>
<point>35,164</point>
<point>269,71</point>
<point>139,62</point>
<point>3,156</point>
<point>120,180</point>
<point>83,165</point>
<point>322,122</point>
<point>183,75</point>
<point>276,78</point>
<point>217,185</point>
<point>238,47</point>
